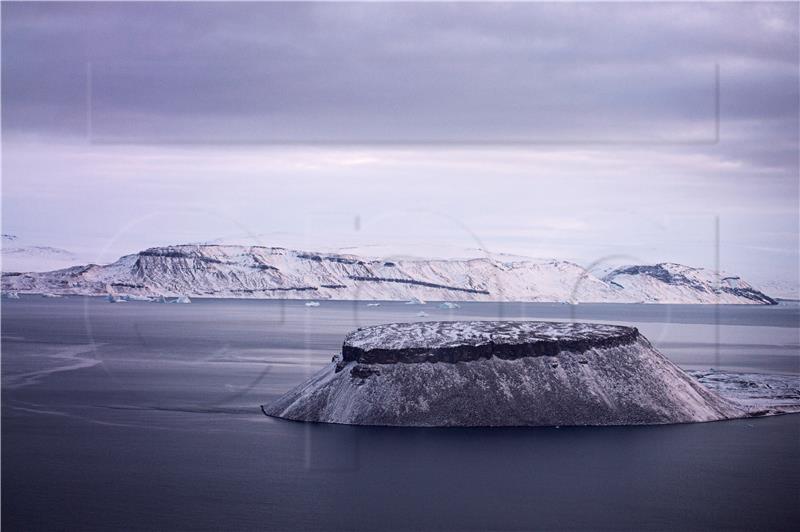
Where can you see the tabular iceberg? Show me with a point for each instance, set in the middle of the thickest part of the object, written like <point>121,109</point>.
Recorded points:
<point>484,373</point>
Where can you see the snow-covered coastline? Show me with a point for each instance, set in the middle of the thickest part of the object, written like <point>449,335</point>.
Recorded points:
<point>759,393</point>
<point>278,273</point>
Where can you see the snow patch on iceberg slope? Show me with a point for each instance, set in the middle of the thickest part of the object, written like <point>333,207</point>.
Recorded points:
<point>278,273</point>
<point>627,383</point>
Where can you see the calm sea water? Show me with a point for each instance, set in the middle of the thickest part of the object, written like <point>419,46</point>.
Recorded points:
<point>146,416</point>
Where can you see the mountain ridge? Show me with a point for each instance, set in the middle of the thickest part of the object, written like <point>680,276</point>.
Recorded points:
<point>231,271</point>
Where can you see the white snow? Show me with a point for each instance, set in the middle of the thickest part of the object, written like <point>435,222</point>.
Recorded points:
<point>278,273</point>
<point>21,255</point>
<point>764,393</point>
<point>133,297</point>
<point>436,334</point>
<point>781,289</point>
<point>676,283</point>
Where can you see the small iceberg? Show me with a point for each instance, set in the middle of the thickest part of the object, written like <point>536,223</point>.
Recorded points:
<point>182,299</point>
<point>111,298</point>
<point>159,299</point>
<point>373,304</point>
<point>312,303</point>
<point>449,305</point>
<point>11,295</point>
<point>415,301</point>
<point>50,295</point>
<point>422,314</point>
<point>131,297</point>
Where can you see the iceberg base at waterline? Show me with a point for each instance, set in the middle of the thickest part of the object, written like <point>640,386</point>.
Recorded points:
<point>510,373</point>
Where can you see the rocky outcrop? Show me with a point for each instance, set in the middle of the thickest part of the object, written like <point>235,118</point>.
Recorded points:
<point>501,374</point>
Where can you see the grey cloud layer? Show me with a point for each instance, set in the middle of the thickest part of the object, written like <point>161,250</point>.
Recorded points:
<point>365,72</point>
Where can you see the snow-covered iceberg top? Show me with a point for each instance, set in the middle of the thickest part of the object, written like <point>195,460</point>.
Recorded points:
<point>434,334</point>
<point>457,341</point>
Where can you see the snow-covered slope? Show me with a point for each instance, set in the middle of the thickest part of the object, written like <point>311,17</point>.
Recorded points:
<point>781,289</point>
<point>21,256</point>
<point>675,283</point>
<point>270,272</point>
<point>501,374</point>
<point>36,259</point>
<point>759,393</point>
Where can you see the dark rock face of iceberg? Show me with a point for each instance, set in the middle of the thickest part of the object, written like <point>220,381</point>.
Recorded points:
<point>501,374</point>
<point>451,342</point>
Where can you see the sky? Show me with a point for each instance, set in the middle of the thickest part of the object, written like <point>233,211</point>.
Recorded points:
<point>593,132</point>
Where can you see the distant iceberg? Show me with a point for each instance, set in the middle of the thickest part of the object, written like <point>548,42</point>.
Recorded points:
<point>48,294</point>
<point>183,299</point>
<point>422,314</point>
<point>373,304</point>
<point>131,297</point>
<point>415,301</point>
<point>11,295</point>
<point>449,305</point>
<point>312,303</point>
<point>122,298</point>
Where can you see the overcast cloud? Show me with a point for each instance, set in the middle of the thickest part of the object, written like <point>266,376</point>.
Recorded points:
<point>578,131</point>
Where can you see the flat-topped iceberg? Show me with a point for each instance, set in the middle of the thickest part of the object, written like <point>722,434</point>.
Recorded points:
<point>511,373</point>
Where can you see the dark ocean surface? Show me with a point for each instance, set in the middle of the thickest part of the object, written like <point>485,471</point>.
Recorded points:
<point>147,416</point>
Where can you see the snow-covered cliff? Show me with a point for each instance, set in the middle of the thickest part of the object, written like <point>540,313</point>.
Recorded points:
<point>669,282</point>
<point>485,373</point>
<point>269,272</point>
